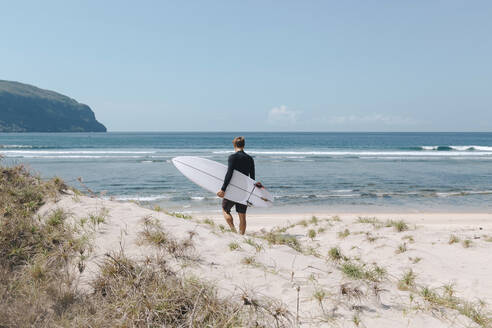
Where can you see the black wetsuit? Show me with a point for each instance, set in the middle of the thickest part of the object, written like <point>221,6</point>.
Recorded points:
<point>243,163</point>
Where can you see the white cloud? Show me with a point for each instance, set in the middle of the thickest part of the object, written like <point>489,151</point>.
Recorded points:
<point>283,116</point>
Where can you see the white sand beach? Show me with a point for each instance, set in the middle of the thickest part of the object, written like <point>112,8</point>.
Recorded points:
<point>447,254</point>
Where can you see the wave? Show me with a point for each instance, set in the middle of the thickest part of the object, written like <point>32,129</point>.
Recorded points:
<point>334,194</point>
<point>72,157</point>
<point>149,198</point>
<point>15,146</point>
<point>463,193</point>
<point>54,152</point>
<point>365,153</point>
<point>458,148</point>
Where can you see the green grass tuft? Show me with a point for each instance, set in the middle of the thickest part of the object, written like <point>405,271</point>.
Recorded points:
<point>453,239</point>
<point>311,233</point>
<point>343,234</point>
<point>399,226</point>
<point>335,254</point>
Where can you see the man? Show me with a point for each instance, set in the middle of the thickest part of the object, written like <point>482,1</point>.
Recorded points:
<point>245,164</point>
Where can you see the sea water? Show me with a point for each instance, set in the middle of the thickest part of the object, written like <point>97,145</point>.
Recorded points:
<point>305,171</point>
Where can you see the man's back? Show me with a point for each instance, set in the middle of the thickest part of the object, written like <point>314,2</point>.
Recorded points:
<point>243,163</point>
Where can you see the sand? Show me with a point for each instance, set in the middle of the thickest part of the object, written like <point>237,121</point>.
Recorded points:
<point>327,297</point>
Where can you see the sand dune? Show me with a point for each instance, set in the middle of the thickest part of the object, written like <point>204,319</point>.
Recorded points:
<point>338,270</point>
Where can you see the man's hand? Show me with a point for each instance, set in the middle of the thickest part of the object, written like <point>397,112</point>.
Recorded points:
<point>258,185</point>
<point>220,193</point>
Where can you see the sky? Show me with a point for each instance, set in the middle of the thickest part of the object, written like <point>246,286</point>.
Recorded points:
<point>259,65</point>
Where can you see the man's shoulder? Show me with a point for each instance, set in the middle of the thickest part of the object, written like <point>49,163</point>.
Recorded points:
<point>248,155</point>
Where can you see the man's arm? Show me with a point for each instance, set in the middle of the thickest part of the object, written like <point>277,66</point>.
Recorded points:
<point>228,176</point>
<point>252,169</point>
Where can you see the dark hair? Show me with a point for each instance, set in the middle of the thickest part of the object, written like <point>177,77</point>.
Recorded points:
<point>238,142</point>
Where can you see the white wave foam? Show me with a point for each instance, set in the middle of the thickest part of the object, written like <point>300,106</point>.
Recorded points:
<point>367,153</point>
<point>197,198</point>
<point>55,152</point>
<point>459,148</point>
<point>464,193</point>
<point>15,146</point>
<point>70,156</point>
<point>139,198</point>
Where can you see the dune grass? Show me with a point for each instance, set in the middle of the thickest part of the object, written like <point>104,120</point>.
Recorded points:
<point>467,243</point>
<point>311,233</point>
<point>233,246</point>
<point>343,234</point>
<point>359,271</point>
<point>453,239</point>
<point>399,225</point>
<point>177,214</point>
<point>335,254</point>
<point>407,281</point>
<point>41,258</point>
<point>276,238</point>
<point>402,248</point>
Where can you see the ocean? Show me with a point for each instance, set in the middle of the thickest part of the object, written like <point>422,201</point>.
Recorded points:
<point>305,171</point>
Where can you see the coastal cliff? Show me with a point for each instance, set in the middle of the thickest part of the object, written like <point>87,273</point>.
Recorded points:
<point>26,108</point>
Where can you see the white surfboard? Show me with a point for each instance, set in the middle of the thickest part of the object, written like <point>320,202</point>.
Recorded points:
<point>210,176</point>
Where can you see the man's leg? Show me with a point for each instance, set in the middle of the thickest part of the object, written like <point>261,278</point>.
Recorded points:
<point>229,220</point>
<point>242,223</point>
<point>226,209</point>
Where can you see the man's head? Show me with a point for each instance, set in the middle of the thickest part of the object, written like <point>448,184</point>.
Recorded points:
<point>238,143</point>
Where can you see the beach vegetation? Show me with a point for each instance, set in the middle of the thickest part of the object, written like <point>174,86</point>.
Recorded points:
<point>304,223</point>
<point>335,254</point>
<point>453,239</point>
<point>358,271</point>
<point>407,281</point>
<point>375,222</point>
<point>39,286</point>
<point>310,250</point>
<point>179,215</point>
<point>97,219</point>
<point>370,238</point>
<point>314,220</point>
<point>319,295</point>
<point>321,230</point>
<point>336,218</point>
<point>234,246</point>
<point>249,260</point>
<point>350,292</point>
<point>275,238</point>
<point>258,247</point>
<point>343,234</point>
<point>376,274</point>
<point>311,233</point>
<point>209,222</point>
<point>467,243</point>
<point>154,234</point>
<point>399,225</point>
<point>353,270</point>
<point>409,238</point>
<point>356,320</point>
<point>402,248</point>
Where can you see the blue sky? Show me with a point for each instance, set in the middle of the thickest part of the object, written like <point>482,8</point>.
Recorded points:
<point>259,65</point>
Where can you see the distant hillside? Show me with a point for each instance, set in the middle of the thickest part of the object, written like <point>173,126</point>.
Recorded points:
<point>25,108</point>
